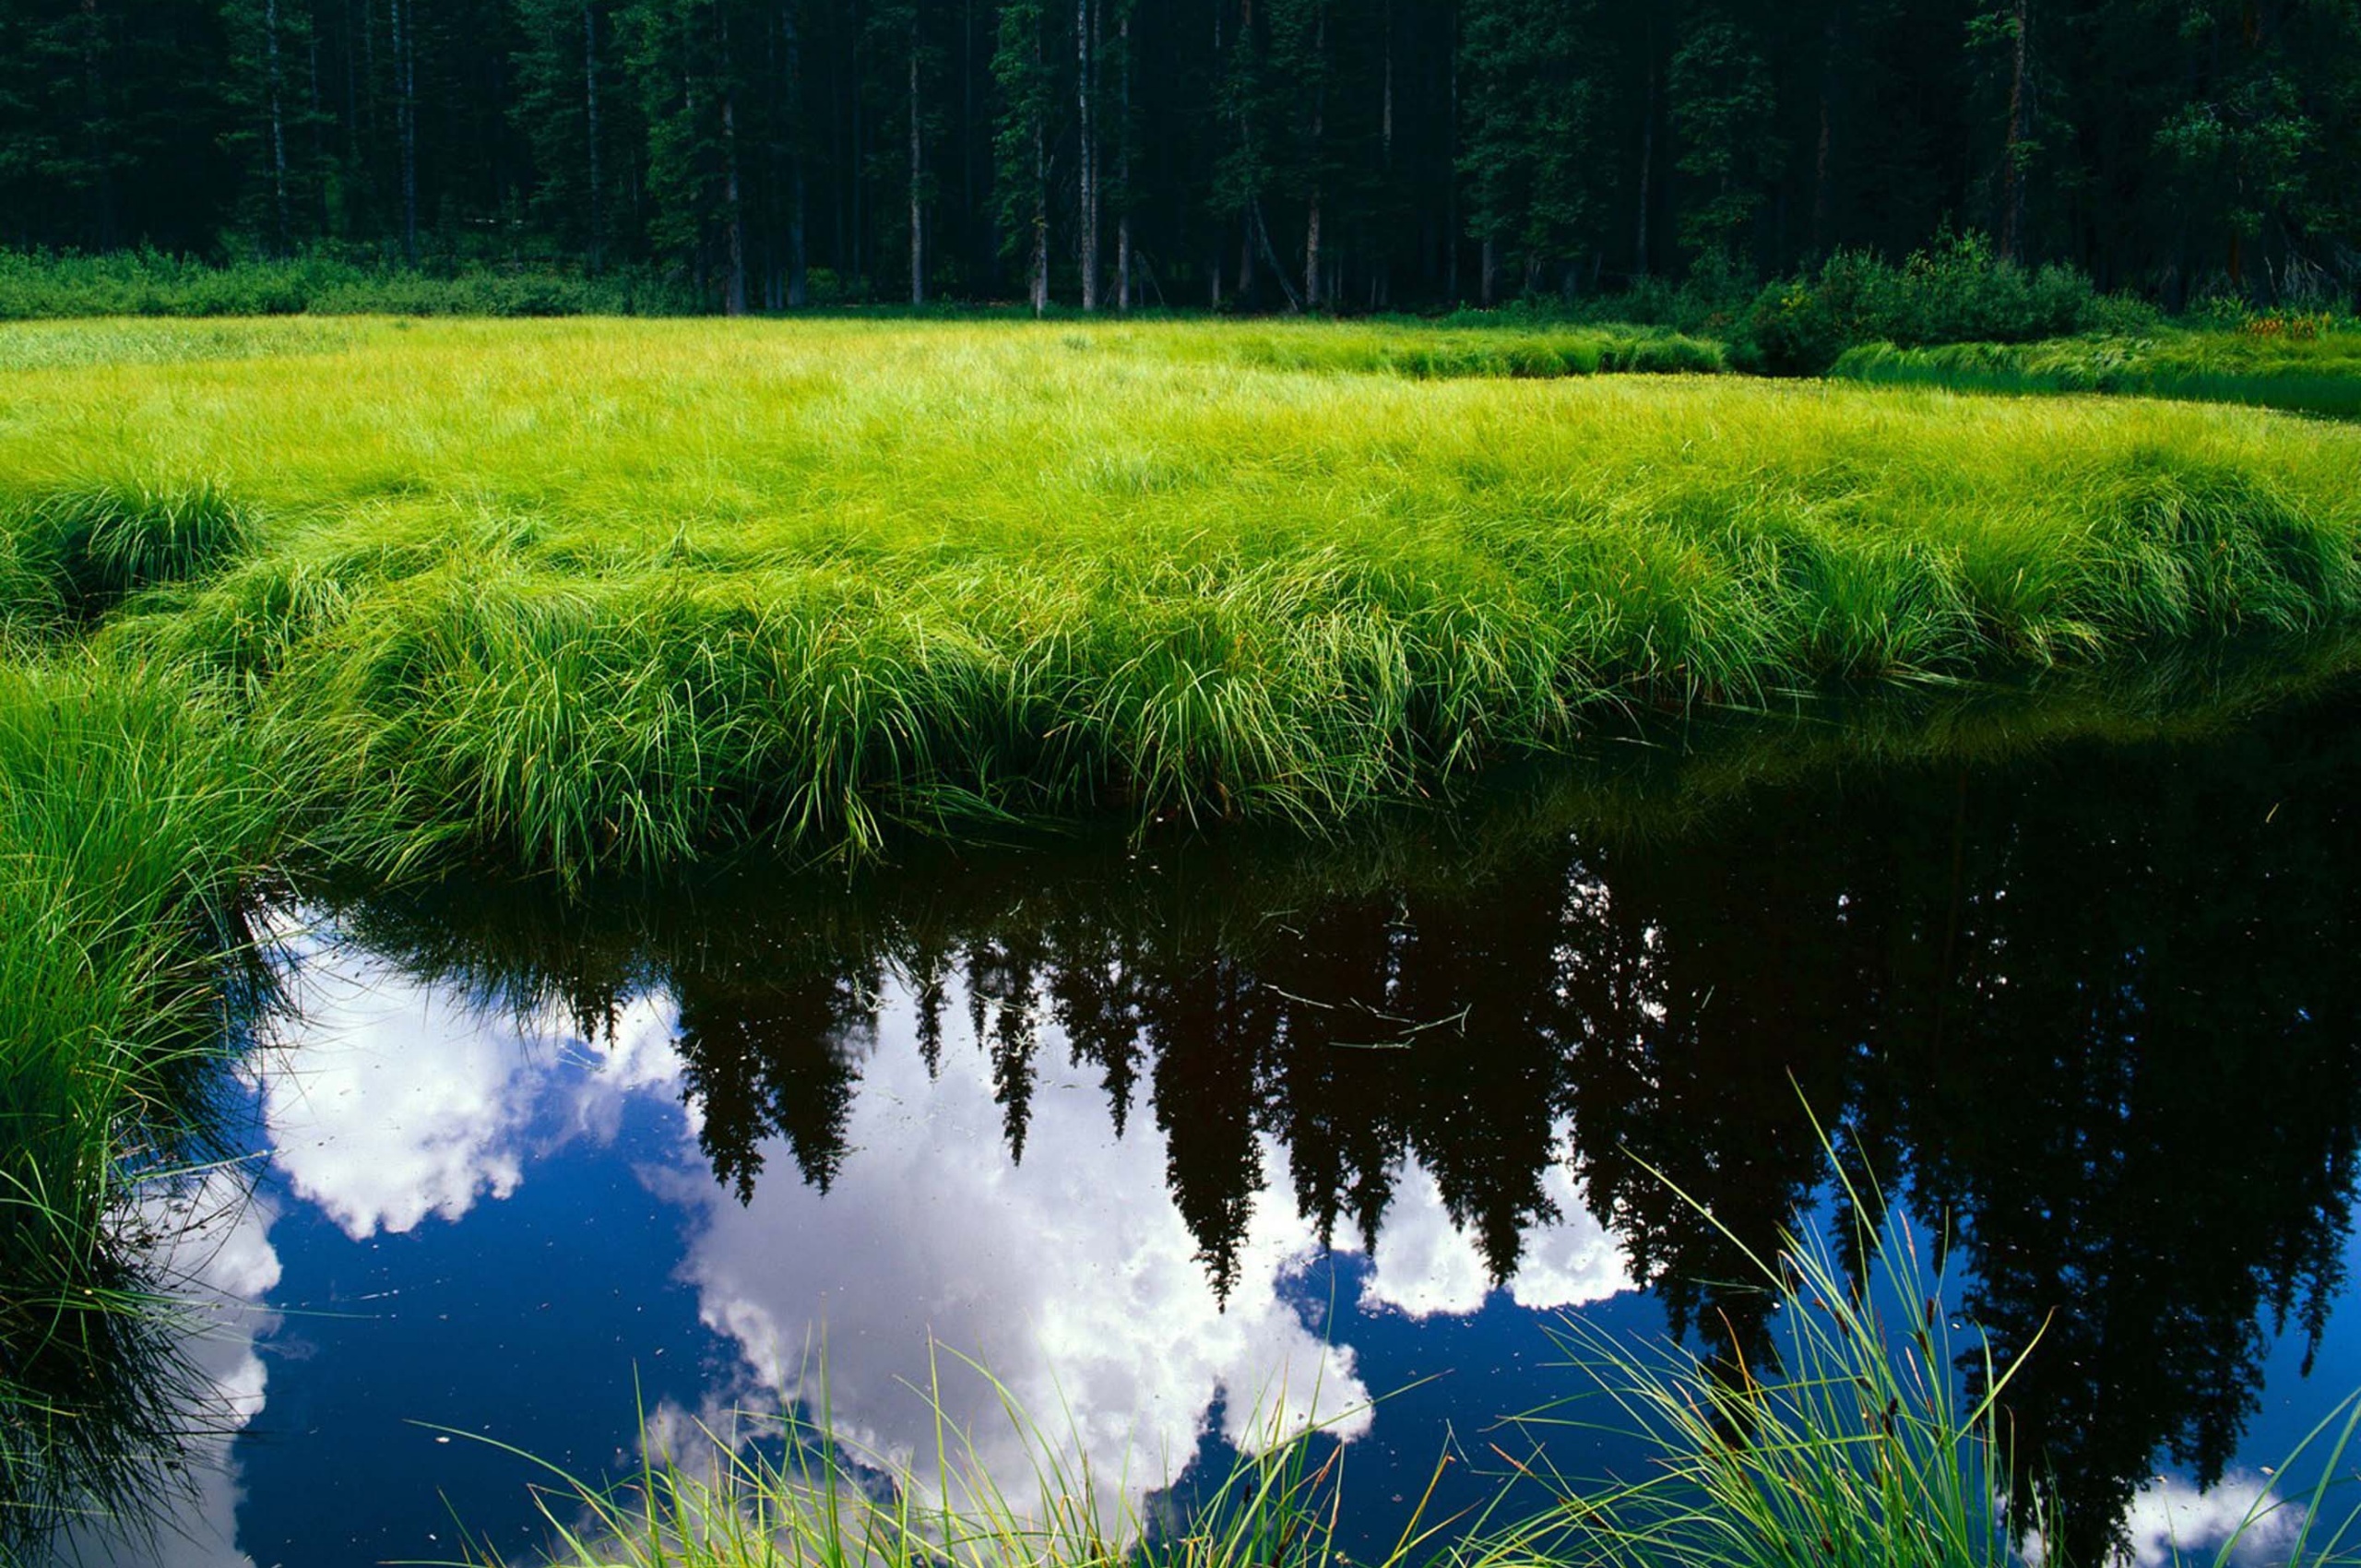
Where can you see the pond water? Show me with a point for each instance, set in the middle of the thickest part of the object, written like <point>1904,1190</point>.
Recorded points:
<point>1173,1133</point>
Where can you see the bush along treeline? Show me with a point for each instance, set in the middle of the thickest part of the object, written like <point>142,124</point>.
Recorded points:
<point>1260,154</point>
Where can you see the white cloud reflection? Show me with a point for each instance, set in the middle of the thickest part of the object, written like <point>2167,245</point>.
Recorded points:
<point>2172,1522</point>
<point>1072,1277</point>
<point>1425,1264</point>
<point>402,1100</point>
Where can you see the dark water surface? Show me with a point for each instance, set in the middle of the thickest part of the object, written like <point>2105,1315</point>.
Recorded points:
<point>1167,1136</point>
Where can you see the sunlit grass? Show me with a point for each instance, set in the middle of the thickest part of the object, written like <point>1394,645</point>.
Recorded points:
<point>568,593</point>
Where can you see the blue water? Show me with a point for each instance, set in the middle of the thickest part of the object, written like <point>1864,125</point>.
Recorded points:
<point>1184,1146</point>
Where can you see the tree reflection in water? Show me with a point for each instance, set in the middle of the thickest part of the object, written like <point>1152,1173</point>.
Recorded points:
<point>2091,1011</point>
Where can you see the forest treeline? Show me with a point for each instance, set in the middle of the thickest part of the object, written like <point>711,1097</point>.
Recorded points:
<point>1332,154</point>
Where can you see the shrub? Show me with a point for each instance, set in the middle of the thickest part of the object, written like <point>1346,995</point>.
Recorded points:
<point>1961,290</point>
<point>37,287</point>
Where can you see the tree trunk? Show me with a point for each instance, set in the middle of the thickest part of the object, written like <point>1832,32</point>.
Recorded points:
<point>590,112</point>
<point>1830,76</point>
<point>1450,183</point>
<point>100,211</point>
<point>278,126</point>
<point>1647,163</point>
<point>2012,190</point>
<point>406,87</point>
<point>1381,272</point>
<point>1087,156</point>
<point>734,299</point>
<point>1040,195</point>
<point>918,181</point>
<point>1123,169</point>
<point>799,289</point>
<point>1311,278</point>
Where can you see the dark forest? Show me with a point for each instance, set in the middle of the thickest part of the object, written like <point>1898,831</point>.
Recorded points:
<point>1339,155</point>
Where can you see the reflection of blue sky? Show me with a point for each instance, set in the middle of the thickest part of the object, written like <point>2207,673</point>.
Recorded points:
<point>494,1227</point>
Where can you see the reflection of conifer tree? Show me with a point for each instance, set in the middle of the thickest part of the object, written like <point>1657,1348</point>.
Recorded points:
<point>927,967</point>
<point>1209,1027</point>
<point>1483,1114</point>
<point>1002,985</point>
<point>1712,988</point>
<point>2154,1151</point>
<point>1336,1107</point>
<point>774,1058</point>
<point>1094,995</point>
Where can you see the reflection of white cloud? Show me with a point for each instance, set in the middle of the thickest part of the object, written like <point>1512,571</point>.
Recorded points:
<point>218,1261</point>
<point>1425,1265</point>
<point>400,1101</point>
<point>2171,1521</point>
<point>1072,1278</point>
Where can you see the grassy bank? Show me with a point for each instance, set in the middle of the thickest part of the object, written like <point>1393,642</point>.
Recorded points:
<point>570,594</point>
<point>2317,374</point>
<point>127,823</point>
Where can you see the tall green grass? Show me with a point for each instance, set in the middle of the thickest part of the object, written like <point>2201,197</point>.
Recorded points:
<point>1509,349</point>
<point>128,818</point>
<point>2316,374</point>
<point>568,595</point>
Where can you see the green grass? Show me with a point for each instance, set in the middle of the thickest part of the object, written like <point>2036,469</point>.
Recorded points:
<point>568,594</point>
<point>2316,374</point>
<point>771,1491</point>
<point>128,819</point>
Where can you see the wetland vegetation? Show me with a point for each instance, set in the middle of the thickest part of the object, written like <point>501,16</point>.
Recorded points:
<point>582,594</point>
<point>401,599</point>
<point>1500,752</point>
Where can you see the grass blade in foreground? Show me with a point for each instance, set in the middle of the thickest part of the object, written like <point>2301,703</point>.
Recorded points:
<point>1882,1442</point>
<point>795,1488</point>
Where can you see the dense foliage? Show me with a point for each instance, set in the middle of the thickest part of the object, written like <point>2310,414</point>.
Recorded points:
<point>1337,153</point>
